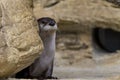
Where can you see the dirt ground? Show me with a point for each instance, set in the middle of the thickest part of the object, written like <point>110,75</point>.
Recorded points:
<point>73,66</point>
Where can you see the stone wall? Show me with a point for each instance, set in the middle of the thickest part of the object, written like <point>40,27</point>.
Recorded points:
<point>77,17</point>
<point>79,14</point>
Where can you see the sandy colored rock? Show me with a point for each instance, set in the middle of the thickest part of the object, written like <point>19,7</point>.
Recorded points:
<point>80,14</point>
<point>20,43</point>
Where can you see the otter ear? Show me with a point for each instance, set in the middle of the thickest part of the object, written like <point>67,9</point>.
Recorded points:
<point>38,21</point>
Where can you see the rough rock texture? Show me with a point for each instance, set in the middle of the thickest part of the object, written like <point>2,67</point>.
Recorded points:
<point>80,14</point>
<point>116,2</point>
<point>20,43</point>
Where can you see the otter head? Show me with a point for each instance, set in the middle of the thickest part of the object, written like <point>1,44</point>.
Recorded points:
<point>47,24</point>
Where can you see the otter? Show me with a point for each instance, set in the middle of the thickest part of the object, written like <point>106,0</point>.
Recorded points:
<point>43,65</point>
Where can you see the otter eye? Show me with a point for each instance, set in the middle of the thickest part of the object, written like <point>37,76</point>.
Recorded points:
<point>43,22</point>
<point>52,23</point>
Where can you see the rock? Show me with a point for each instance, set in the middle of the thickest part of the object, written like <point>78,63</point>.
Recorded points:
<point>20,43</point>
<point>116,2</point>
<point>74,15</point>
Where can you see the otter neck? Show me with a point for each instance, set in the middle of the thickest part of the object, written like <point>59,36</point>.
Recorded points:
<point>48,42</point>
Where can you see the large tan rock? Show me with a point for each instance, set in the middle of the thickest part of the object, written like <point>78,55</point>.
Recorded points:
<point>20,43</point>
<point>77,15</point>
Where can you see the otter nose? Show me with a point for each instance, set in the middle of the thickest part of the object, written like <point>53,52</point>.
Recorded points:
<point>52,23</point>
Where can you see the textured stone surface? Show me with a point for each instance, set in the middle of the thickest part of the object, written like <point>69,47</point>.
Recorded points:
<point>20,43</point>
<point>76,16</point>
<point>80,14</point>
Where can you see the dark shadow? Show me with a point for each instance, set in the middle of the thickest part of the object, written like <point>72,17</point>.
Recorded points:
<point>106,39</point>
